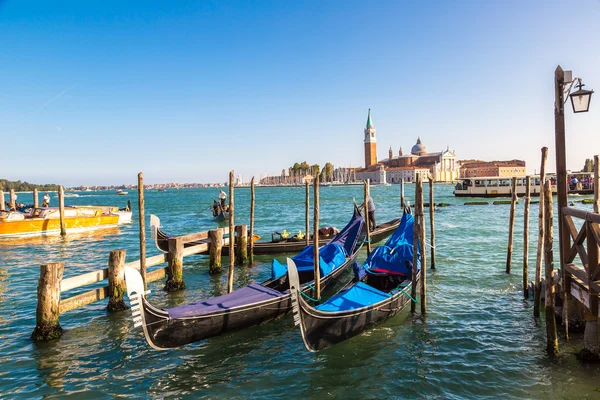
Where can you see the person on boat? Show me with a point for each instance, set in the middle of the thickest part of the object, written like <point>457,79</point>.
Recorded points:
<point>215,208</point>
<point>46,202</point>
<point>371,211</point>
<point>222,198</point>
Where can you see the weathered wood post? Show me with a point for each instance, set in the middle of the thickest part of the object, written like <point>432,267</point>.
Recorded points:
<point>175,267</point>
<point>416,233</point>
<point>537,301</point>
<point>422,246</point>
<point>316,239</point>
<point>241,248</point>
<point>551,336</point>
<point>116,281</point>
<point>35,198</point>
<point>13,199</point>
<point>231,236</point>
<point>596,186</point>
<point>252,201</point>
<point>215,248</point>
<point>431,223</point>
<point>367,222</point>
<point>142,227</point>
<point>402,203</point>
<point>307,212</point>
<point>511,224</point>
<point>61,209</point>
<point>2,201</point>
<point>591,345</point>
<point>47,326</point>
<point>526,238</point>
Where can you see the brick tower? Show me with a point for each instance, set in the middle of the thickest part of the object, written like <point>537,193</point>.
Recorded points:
<point>370,143</point>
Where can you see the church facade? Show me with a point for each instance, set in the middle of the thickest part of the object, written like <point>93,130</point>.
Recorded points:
<point>441,166</point>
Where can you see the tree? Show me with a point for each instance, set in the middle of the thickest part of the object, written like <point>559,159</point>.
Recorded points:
<point>328,172</point>
<point>588,166</point>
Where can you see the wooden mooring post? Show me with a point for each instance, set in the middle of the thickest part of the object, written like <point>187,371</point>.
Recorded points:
<point>307,213</point>
<point>526,238</point>
<point>47,326</point>
<point>367,222</point>
<point>252,201</point>
<point>116,281</point>
<point>142,228</point>
<point>215,249</point>
<point>402,203</point>
<point>35,198</point>
<point>175,267</point>
<point>537,299</point>
<point>231,236</point>
<point>13,199</point>
<point>421,217</point>
<point>61,209</point>
<point>416,233</point>
<point>551,335</point>
<point>431,221</point>
<point>316,239</point>
<point>241,241</point>
<point>511,224</point>
<point>2,208</point>
<point>596,185</point>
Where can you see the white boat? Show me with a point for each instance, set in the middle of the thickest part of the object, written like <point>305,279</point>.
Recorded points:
<point>494,186</point>
<point>121,192</point>
<point>71,195</point>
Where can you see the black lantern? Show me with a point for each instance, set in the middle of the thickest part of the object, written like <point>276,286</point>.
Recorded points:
<point>580,100</point>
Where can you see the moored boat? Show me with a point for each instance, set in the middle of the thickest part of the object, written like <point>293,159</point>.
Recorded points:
<point>45,221</point>
<point>124,214</point>
<point>245,307</point>
<point>379,290</point>
<point>274,246</point>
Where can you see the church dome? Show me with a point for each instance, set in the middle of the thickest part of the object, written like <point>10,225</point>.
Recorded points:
<point>418,148</point>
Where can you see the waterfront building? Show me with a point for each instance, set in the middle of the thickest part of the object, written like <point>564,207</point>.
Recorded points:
<point>475,168</point>
<point>441,166</point>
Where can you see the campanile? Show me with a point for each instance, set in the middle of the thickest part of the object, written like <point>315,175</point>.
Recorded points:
<point>370,143</point>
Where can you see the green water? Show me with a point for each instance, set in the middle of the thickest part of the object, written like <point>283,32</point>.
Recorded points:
<point>478,339</point>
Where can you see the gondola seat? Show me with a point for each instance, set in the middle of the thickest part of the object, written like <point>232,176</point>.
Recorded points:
<point>359,295</point>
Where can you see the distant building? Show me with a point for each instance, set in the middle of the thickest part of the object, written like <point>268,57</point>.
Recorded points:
<point>441,165</point>
<point>479,168</point>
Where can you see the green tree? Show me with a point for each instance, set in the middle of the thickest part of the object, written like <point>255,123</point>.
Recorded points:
<point>328,172</point>
<point>588,166</point>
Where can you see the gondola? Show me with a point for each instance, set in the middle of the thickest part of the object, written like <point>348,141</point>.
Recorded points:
<point>275,246</point>
<point>380,289</point>
<point>245,307</point>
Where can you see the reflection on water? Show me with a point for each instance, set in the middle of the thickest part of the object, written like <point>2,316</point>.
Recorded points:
<point>478,339</point>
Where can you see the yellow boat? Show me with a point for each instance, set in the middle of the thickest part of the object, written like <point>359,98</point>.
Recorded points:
<point>45,221</point>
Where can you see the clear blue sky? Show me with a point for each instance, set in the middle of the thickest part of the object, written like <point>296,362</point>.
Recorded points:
<point>184,91</point>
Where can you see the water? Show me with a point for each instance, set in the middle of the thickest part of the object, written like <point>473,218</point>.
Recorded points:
<point>478,339</point>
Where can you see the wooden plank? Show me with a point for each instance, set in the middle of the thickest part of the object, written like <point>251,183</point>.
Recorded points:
<point>581,214</point>
<point>154,260</point>
<point>83,299</point>
<point>156,274</point>
<point>192,237</point>
<point>199,248</point>
<point>578,239</point>
<point>82,280</point>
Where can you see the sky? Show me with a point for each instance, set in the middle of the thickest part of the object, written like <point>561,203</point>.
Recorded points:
<point>91,93</point>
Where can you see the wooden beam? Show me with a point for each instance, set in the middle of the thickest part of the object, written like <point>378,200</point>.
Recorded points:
<point>85,279</point>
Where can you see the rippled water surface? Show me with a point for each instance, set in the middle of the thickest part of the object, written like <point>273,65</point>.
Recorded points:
<point>478,339</point>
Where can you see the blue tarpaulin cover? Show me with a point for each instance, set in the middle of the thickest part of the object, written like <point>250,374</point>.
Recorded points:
<point>357,296</point>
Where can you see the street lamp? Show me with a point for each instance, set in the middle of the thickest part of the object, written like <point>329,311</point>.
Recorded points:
<point>580,100</point>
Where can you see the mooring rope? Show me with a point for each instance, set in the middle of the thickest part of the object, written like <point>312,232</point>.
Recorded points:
<point>400,289</point>
<point>307,296</point>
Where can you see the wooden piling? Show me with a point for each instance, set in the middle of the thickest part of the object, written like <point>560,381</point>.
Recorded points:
<point>35,198</point>
<point>116,281</point>
<point>596,186</point>
<point>47,326</point>
<point>241,248</point>
<point>175,267</point>
<point>511,224</point>
<point>2,208</point>
<point>252,201</point>
<point>526,238</point>
<point>231,236</point>
<point>431,223</point>
<point>13,200</point>
<point>551,335</point>
<point>142,227</point>
<point>316,239</point>
<point>366,205</point>
<point>421,216</point>
<point>61,209</point>
<point>402,203</point>
<point>537,301</point>
<point>307,212</point>
<point>416,233</point>
<point>215,248</point>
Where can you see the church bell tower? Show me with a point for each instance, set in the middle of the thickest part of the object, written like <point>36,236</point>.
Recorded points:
<point>370,143</point>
